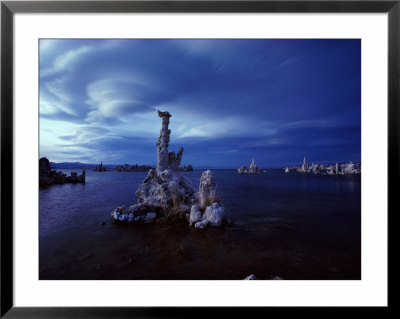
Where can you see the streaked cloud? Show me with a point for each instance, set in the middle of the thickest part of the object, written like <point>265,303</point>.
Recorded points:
<point>66,60</point>
<point>230,100</point>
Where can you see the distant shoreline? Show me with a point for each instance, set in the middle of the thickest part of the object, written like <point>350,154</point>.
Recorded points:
<point>89,166</point>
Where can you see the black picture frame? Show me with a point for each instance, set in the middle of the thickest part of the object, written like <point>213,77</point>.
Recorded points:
<point>9,8</point>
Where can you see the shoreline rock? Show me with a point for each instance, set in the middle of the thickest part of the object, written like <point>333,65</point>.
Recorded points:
<point>48,177</point>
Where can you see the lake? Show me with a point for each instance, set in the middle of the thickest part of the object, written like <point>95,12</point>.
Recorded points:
<point>295,226</point>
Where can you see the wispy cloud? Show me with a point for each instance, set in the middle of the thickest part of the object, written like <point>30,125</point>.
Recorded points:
<point>66,60</point>
<point>270,99</point>
<point>228,127</point>
<point>110,98</point>
<point>288,62</point>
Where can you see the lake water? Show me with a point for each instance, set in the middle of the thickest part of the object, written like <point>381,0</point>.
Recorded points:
<point>291,225</point>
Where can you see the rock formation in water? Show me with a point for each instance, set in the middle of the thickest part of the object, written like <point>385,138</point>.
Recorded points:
<point>208,210</point>
<point>166,160</point>
<point>242,169</point>
<point>164,192</point>
<point>330,169</point>
<point>133,168</point>
<point>253,169</point>
<point>304,167</point>
<point>47,176</point>
<point>350,169</point>
<point>44,172</point>
<point>186,168</point>
<point>100,168</point>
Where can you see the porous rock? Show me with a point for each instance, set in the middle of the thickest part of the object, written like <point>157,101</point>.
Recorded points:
<point>164,191</point>
<point>208,211</point>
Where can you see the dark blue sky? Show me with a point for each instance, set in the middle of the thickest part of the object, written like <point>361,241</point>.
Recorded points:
<point>231,100</point>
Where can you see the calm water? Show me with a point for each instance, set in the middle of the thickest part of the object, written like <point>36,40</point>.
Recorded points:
<point>290,225</point>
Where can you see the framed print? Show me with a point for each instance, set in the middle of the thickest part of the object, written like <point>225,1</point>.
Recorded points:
<point>164,155</point>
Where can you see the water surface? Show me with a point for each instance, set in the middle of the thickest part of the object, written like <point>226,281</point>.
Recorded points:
<point>291,225</point>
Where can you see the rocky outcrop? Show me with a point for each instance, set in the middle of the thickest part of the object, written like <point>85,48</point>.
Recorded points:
<point>186,168</point>
<point>214,214</point>
<point>47,176</point>
<point>242,170</point>
<point>350,169</point>
<point>45,172</point>
<point>165,159</point>
<point>100,168</point>
<point>304,168</point>
<point>330,169</point>
<point>164,192</point>
<point>167,191</point>
<point>133,168</point>
<point>208,211</point>
<point>195,214</point>
<point>207,189</point>
<point>253,169</point>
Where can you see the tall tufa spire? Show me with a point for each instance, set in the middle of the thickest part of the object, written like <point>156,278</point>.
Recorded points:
<point>165,159</point>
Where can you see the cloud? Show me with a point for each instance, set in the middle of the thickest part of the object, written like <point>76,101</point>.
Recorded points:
<point>57,88</point>
<point>115,98</point>
<point>229,127</point>
<point>288,62</point>
<point>86,133</point>
<point>98,98</point>
<point>66,60</point>
<point>330,122</point>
